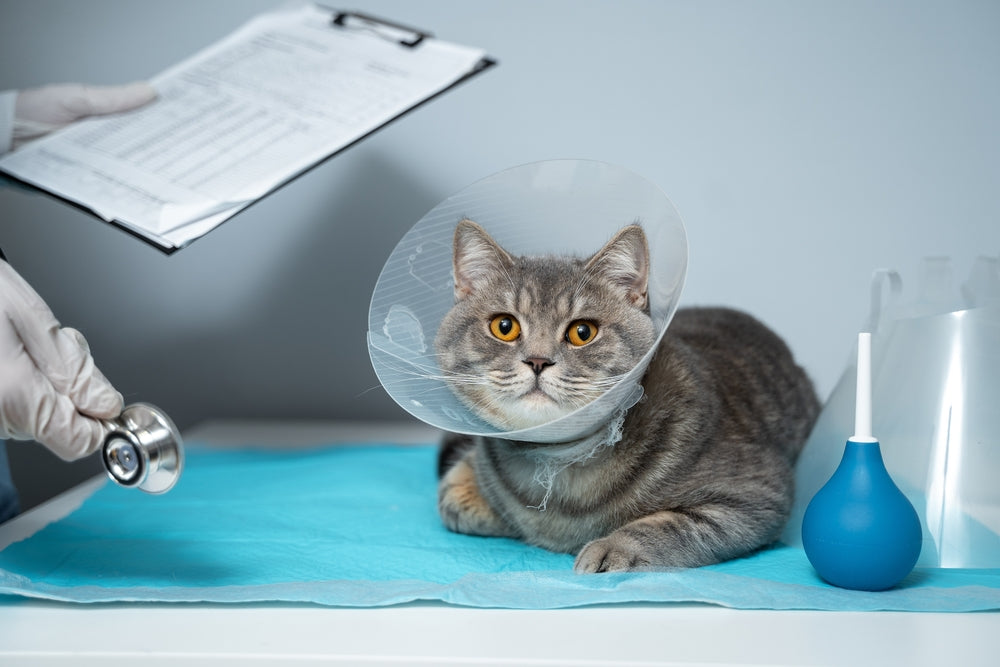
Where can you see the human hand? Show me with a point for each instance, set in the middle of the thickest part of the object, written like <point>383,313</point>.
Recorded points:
<point>38,111</point>
<point>50,389</point>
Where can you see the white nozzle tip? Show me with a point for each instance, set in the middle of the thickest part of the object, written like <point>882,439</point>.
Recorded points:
<point>863,398</point>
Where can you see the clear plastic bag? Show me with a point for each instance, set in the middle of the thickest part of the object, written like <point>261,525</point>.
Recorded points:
<point>936,411</point>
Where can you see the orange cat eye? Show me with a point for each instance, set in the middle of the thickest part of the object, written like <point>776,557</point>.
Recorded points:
<point>581,332</point>
<point>505,327</point>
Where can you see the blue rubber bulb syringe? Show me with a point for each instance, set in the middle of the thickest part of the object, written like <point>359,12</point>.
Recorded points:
<point>859,531</point>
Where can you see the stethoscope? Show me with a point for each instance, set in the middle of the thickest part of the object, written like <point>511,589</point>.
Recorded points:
<point>143,449</point>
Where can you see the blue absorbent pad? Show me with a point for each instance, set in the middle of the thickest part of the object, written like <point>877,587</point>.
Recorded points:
<point>357,526</point>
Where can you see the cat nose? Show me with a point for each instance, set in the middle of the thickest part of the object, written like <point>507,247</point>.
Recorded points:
<point>538,364</point>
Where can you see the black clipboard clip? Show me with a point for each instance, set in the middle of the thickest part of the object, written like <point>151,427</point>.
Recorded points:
<point>362,21</point>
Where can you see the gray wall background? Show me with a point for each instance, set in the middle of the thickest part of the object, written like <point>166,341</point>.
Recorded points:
<point>804,143</point>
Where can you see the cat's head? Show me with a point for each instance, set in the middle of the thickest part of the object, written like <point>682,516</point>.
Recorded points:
<point>531,339</point>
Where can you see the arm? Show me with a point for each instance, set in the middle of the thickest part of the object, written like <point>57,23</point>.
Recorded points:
<point>50,389</point>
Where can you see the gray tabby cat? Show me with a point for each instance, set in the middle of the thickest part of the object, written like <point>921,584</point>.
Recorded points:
<point>704,469</point>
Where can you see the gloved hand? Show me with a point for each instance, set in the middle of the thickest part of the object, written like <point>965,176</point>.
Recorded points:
<point>50,389</point>
<point>39,111</point>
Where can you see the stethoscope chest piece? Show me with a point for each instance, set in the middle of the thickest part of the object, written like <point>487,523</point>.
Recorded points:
<point>143,449</point>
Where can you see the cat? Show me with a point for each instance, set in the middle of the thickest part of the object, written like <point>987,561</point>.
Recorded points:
<point>703,471</point>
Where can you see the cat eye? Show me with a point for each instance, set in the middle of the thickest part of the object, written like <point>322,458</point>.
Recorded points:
<point>581,332</point>
<point>505,327</point>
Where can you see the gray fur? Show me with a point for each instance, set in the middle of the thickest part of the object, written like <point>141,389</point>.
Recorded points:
<point>704,470</point>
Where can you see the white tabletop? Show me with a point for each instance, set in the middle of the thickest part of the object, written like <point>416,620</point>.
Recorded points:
<point>43,633</point>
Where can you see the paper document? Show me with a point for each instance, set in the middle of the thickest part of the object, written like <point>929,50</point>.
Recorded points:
<point>239,119</point>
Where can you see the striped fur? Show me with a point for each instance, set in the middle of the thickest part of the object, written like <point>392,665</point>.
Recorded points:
<point>704,470</point>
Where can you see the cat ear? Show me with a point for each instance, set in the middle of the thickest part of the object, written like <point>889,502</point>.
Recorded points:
<point>476,258</point>
<point>624,260</point>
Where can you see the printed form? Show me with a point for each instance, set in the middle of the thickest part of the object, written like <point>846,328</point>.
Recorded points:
<point>239,119</point>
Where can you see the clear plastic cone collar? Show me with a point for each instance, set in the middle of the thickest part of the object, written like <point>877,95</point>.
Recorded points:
<point>551,208</point>
<point>935,388</point>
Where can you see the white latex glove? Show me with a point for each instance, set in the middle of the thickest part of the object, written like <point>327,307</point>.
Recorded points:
<point>50,389</point>
<point>39,111</point>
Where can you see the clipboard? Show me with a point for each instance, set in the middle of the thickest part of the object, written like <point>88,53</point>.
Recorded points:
<point>346,73</point>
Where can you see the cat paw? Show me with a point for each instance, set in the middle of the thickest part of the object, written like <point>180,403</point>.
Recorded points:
<point>462,508</point>
<point>614,553</point>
